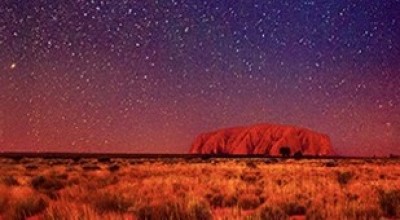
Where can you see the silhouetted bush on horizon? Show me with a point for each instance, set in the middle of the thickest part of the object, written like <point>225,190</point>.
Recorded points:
<point>284,151</point>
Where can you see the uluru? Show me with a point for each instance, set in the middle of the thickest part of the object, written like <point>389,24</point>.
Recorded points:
<point>263,139</point>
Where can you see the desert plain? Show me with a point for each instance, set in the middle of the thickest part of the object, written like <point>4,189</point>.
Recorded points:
<point>199,188</point>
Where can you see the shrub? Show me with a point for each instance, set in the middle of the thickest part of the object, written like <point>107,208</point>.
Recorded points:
<point>4,200</point>
<point>174,210</point>
<point>170,210</point>
<point>344,177</point>
<point>249,201</point>
<point>69,211</point>
<point>251,176</point>
<point>285,151</point>
<point>271,161</point>
<point>274,160</point>
<point>61,176</point>
<point>331,163</point>
<point>362,213</point>
<point>292,208</point>
<point>280,182</point>
<point>199,210</point>
<point>109,202</point>
<point>205,157</point>
<point>352,196</point>
<point>136,162</point>
<point>17,159</point>
<point>104,160</point>
<point>390,202</point>
<point>316,214</point>
<point>9,181</point>
<point>31,167</point>
<point>76,159</point>
<point>268,161</point>
<point>271,213</point>
<point>90,167</point>
<point>114,168</point>
<point>298,155</point>
<point>46,183</point>
<point>217,199</point>
<point>57,161</point>
<point>26,207</point>
<point>106,181</point>
<point>251,164</point>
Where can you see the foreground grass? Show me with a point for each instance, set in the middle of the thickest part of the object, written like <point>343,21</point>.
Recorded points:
<point>199,189</point>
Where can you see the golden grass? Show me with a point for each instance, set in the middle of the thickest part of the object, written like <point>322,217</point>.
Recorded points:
<point>211,189</point>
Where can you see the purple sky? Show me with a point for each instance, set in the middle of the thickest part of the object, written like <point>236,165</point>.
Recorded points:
<point>148,76</point>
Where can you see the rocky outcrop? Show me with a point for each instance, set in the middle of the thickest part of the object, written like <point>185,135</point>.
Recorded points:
<point>266,139</point>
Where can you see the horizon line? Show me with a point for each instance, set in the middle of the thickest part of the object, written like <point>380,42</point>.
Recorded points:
<point>70,155</point>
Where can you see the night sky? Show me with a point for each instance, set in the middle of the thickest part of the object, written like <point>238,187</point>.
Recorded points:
<point>148,76</point>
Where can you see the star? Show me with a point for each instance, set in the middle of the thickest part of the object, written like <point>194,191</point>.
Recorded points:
<point>13,66</point>
<point>149,77</point>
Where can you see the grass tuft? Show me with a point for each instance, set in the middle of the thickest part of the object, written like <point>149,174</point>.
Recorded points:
<point>70,211</point>
<point>174,210</point>
<point>344,178</point>
<point>389,202</point>
<point>23,208</point>
<point>46,183</point>
<point>249,201</point>
<point>110,202</point>
<point>9,181</point>
<point>271,213</point>
<point>4,200</point>
<point>114,168</point>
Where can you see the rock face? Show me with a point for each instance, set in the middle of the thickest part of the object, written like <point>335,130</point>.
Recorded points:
<point>264,139</point>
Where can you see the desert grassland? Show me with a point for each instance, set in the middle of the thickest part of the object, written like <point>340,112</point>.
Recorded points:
<point>199,189</point>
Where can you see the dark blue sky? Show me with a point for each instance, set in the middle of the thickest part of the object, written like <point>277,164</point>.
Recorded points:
<point>147,76</point>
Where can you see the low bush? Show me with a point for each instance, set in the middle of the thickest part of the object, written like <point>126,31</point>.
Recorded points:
<point>114,167</point>
<point>293,208</point>
<point>389,202</point>
<point>9,181</point>
<point>271,213</point>
<point>170,210</point>
<point>316,214</point>
<point>174,210</point>
<point>251,164</point>
<point>344,178</point>
<point>69,211</point>
<point>331,163</point>
<point>47,183</point>
<point>249,201</point>
<point>31,166</point>
<point>104,160</point>
<point>110,202</point>
<point>106,181</point>
<point>251,176</point>
<point>298,155</point>
<point>90,167</point>
<point>199,210</point>
<point>23,208</point>
<point>217,199</point>
<point>362,213</point>
<point>4,200</point>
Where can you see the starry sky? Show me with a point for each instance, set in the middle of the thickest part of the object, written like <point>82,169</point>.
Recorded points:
<point>140,76</point>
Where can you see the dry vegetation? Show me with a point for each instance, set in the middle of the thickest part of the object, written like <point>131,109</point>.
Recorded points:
<point>199,189</point>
